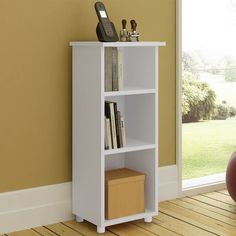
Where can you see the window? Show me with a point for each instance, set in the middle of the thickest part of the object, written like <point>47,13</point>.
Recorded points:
<point>208,88</point>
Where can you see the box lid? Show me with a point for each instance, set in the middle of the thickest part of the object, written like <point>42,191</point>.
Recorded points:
<point>118,176</point>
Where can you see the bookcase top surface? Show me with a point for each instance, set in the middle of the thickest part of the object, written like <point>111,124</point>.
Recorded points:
<point>116,44</point>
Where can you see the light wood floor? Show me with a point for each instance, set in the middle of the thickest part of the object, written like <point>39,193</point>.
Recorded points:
<point>207,214</point>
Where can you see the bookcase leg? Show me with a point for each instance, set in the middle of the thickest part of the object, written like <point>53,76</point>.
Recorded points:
<point>100,230</point>
<point>148,219</point>
<point>79,219</point>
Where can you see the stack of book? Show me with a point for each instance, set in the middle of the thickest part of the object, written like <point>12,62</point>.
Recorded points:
<point>113,69</point>
<point>114,127</point>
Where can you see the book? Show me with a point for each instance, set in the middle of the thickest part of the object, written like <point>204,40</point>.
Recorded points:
<point>108,134</point>
<point>109,112</point>
<point>108,69</point>
<point>114,69</point>
<point>106,146</point>
<point>122,130</point>
<point>120,62</point>
<point>119,128</point>
<point>117,125</point>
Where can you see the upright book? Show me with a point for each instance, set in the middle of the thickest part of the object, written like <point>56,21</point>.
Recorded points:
<point>108,134</point>
<point>119,128</point>
<point>110,113</point>
<point>117,125</point>
<point>122,131</point>
<point>120,61</point>
<point>106,146</point>
<point>108,69</point>
<point>115,69</point>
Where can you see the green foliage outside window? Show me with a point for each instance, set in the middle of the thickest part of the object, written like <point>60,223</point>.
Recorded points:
<point>198,99</point>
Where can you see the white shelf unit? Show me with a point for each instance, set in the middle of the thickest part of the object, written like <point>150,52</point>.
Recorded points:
<point>138,102</point>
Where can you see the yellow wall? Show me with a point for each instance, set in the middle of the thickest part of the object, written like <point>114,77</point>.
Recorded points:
<point>35,81</point>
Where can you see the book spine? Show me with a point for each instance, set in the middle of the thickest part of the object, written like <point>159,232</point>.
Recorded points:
<point>122,121</point>
<point>113,125</point>
<point>105,134</point>
<point>120,70</point>
<point>108,114</point>
<point>119,128</point>
<point>114,69</point>
<point>108,69</point>
<point>108,131</point>
<point>117,125</point>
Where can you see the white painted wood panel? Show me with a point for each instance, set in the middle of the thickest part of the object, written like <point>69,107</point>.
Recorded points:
<point>140,117</point>
<point>34,207</point>
<point>88,164</point>
<point>118,44</point>
<point>130,91</point>
<point>143,215</point>
<point>139,67</point>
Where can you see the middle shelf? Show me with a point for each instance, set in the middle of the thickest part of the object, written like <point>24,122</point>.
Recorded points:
<point>129,91</point>
<point>131,145</point>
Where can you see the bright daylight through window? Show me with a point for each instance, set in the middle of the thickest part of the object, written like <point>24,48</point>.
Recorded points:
<point>209,86</point>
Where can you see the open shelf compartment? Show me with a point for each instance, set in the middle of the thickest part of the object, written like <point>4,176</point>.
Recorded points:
<point>139,74</point>
<point>139,115</point>
<point>144,161</point>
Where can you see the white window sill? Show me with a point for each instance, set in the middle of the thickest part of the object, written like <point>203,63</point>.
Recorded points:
<point>203,184</point>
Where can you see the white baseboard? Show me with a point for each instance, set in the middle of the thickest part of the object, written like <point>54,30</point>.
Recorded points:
<point>168,183</point>
<point>52,204</point>
<point>35,207</point>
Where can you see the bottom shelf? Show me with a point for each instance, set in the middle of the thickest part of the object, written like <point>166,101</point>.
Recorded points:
<point>145,214</point>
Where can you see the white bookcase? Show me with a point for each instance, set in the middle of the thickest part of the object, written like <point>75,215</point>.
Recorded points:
<point>138,102</point>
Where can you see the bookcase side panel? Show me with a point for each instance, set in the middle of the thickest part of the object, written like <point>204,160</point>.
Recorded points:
<point>88,161</point>
<point>156,60</point>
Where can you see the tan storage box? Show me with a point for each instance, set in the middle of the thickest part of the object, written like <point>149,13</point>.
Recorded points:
<point>124,193</point>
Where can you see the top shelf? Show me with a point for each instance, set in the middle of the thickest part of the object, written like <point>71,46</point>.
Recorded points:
<point>117,44</point>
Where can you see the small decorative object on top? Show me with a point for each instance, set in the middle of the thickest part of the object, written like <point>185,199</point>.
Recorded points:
<point>124,32</point>
<point>130,35</point>
<point>133,34</point>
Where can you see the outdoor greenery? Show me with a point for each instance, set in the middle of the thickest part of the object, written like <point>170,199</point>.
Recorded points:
<point>199,99</point>
<point>224,111</point>
<point>207,147</point>
<point>209,124</point>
